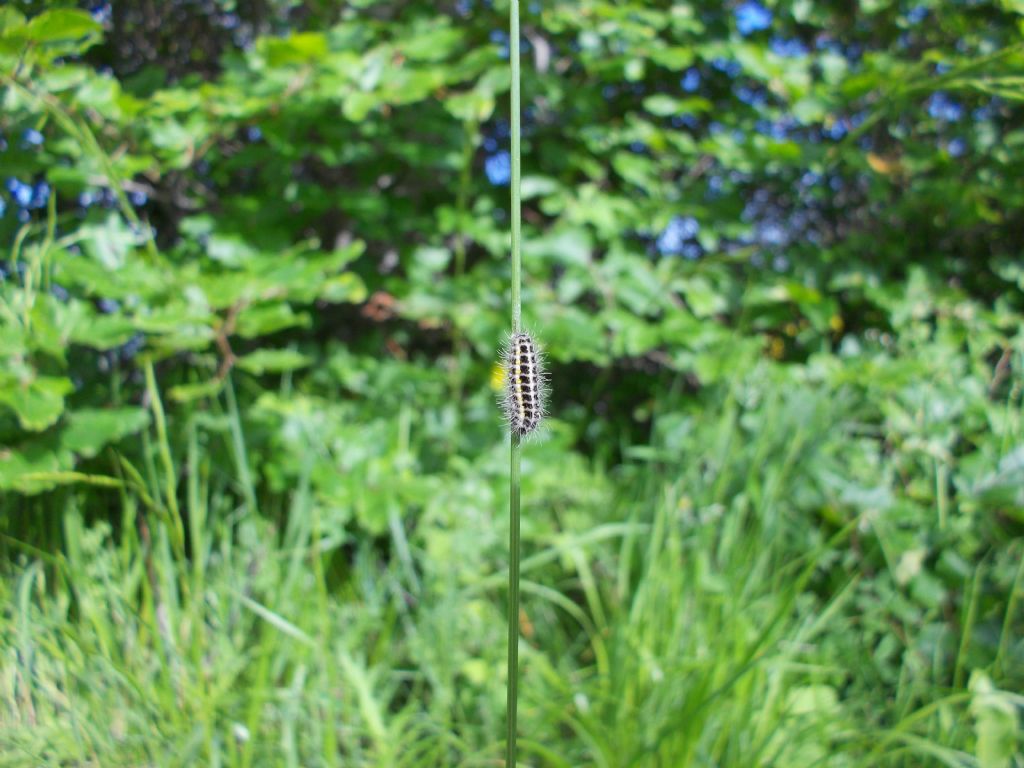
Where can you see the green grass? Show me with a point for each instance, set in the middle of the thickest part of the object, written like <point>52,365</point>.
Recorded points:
<point>680,612</point>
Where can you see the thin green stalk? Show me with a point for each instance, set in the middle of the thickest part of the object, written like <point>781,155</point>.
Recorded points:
<point>1011,611</point>
<point>513,606</point>
<point>513,528</point>
<point>329,736</point>
<point>170,474</point>
<point>238,446</point>
<point>516,213</point>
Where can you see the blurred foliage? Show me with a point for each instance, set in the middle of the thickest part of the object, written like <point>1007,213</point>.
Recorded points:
<point>257,251</point>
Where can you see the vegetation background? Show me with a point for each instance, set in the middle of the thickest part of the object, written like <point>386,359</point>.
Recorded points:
<point>254,277</point>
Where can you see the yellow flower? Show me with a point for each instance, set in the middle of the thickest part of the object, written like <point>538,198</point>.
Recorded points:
<point>497,377</point>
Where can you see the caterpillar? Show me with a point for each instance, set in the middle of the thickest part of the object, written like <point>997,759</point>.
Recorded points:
<point>525,385</point>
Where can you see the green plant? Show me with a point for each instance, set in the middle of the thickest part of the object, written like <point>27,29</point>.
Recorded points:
<point>243,293</point>
<point>512,706</point>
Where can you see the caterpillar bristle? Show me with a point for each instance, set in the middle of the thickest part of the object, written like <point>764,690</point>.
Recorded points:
<point>525,390</point>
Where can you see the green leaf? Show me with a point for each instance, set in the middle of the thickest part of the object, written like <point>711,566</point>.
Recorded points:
<point>537,186</point>
<point>229,250</point>
<point>566,246</point>
<point>676,59</point>
<point>103,332</point>
<point>701,297</point>
<point>298,48</point>
<point>60,24</point>
<point>663,105</point>
<point>472,107</point>
<point>358,105</point>
<point>187,393</point>
<point>37,403</point>
<point>269,318</point>
<point>995,723</point>
<point>432,42</point>
<point>427,264</point>
<point>33,457</point>
<point>109,243</point>
<point>346,288</point>
<point>273,361</point>
<point>89,430</point>
<point>11,20</point>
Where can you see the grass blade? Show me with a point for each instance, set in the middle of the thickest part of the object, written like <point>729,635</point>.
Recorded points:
<point>512,701</point>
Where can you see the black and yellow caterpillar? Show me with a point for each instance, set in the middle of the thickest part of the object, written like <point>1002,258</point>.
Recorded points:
<point>525,385</point>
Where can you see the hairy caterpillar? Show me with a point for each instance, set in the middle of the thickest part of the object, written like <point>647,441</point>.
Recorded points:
<point>525,384</point>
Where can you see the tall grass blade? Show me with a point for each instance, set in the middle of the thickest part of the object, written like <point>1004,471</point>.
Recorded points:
<point>513,527</point>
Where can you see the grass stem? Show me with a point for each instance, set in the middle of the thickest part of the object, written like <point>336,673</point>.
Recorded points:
<point>513,606</point>
<point>516,212</point>
<point>513,528</point>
